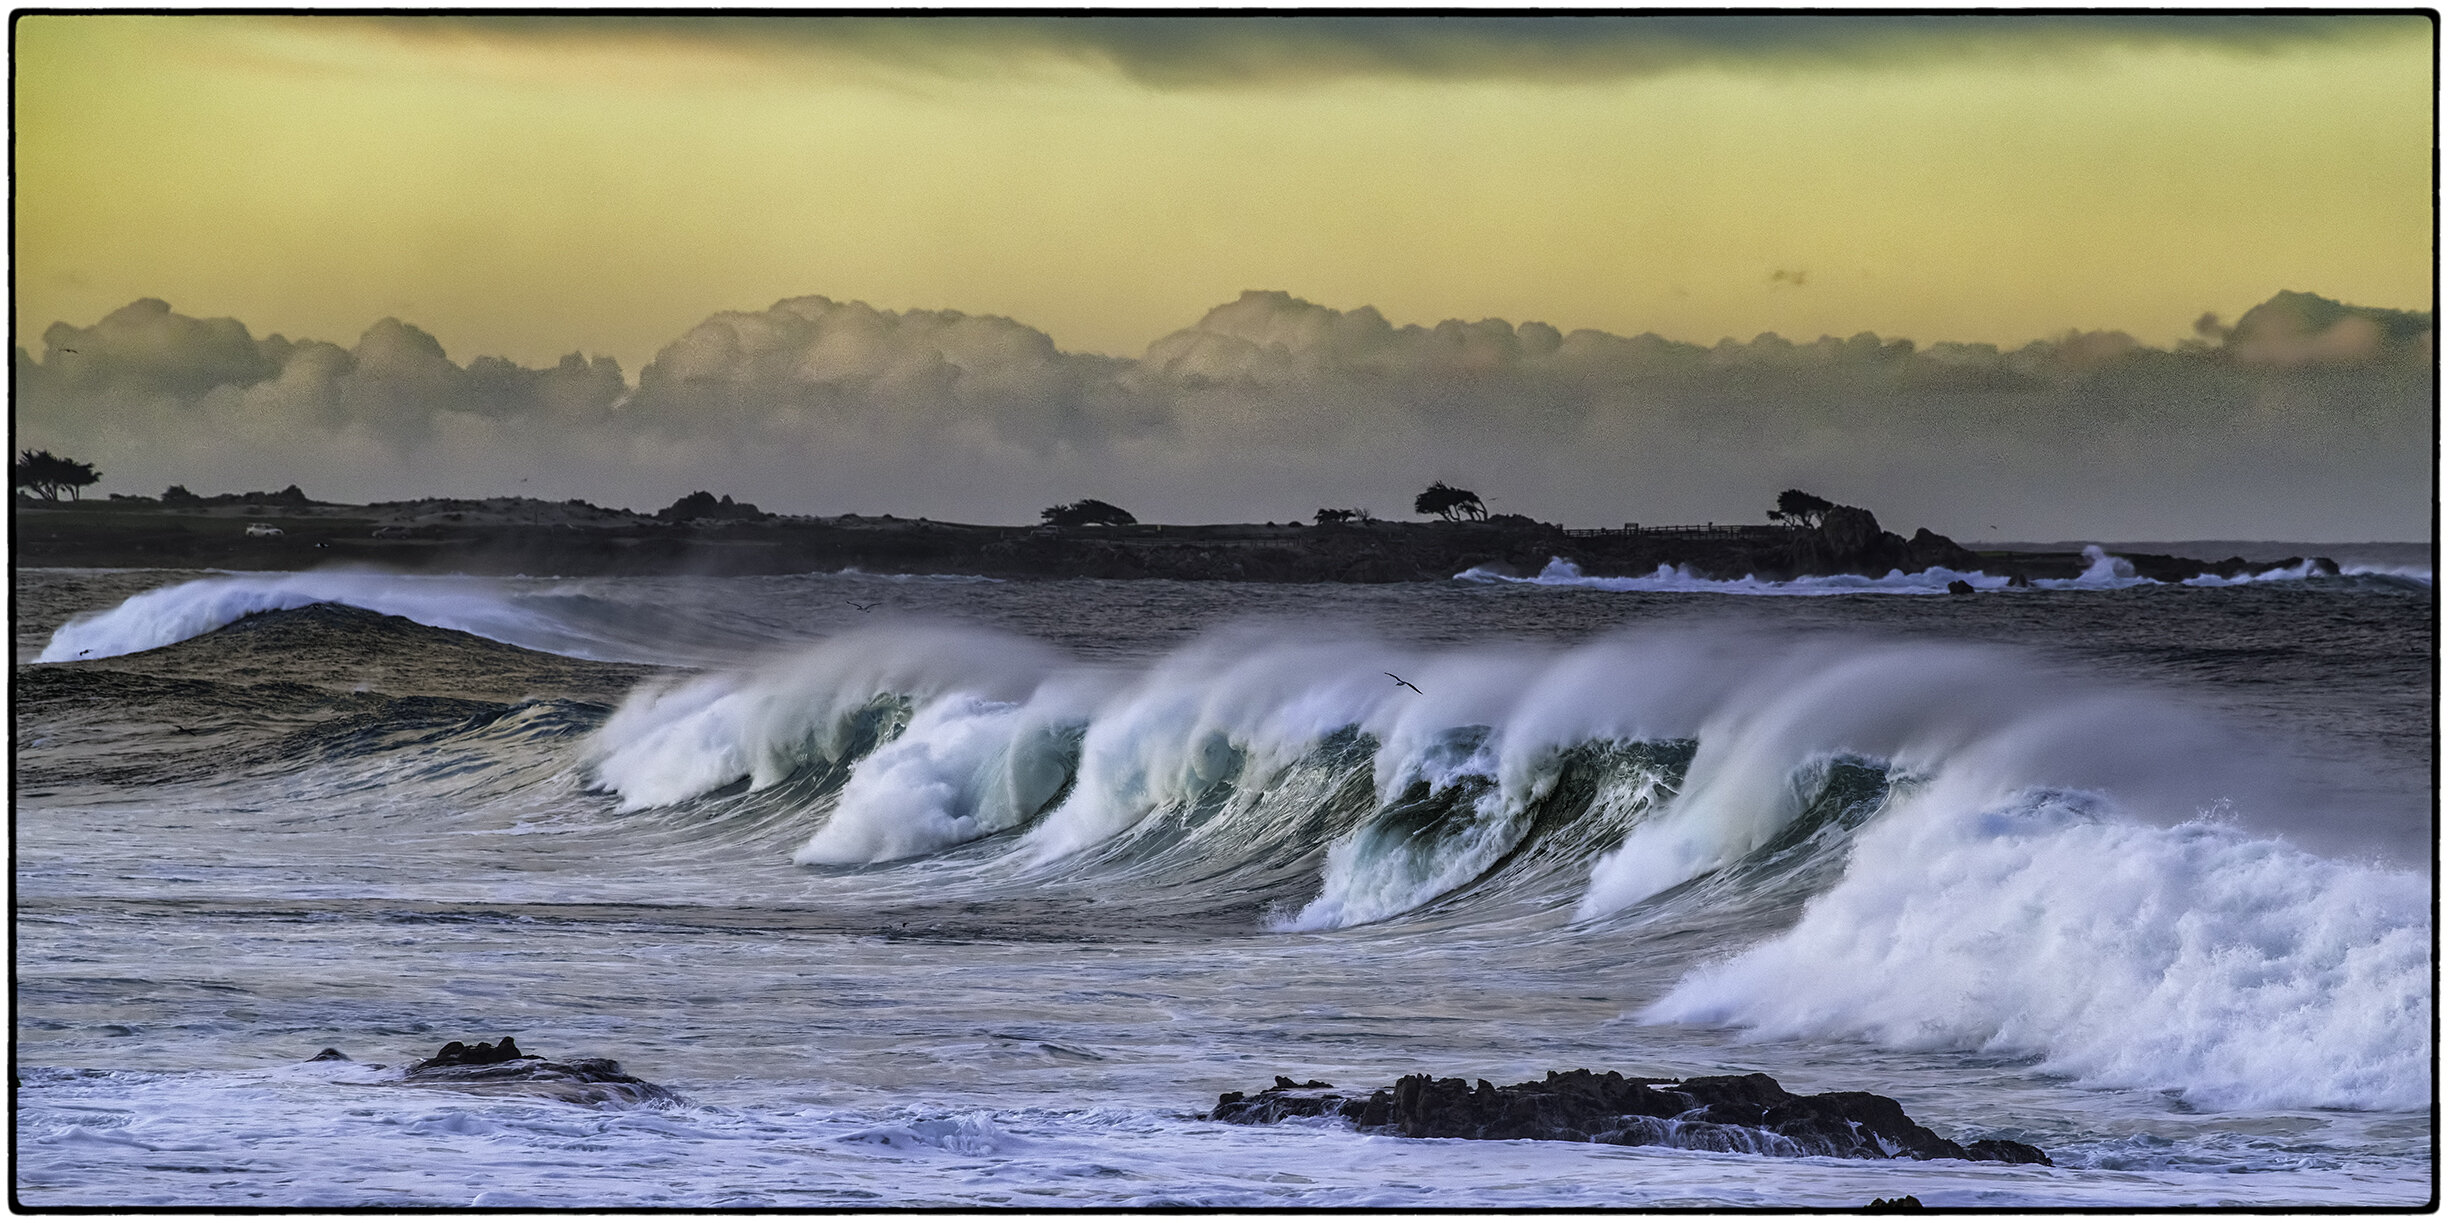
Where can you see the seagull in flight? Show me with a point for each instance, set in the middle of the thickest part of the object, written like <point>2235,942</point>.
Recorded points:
<point>1400,682</point>
<point>863,606</point>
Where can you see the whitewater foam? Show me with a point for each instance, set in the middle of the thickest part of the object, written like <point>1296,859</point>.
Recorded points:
<point>2233,970</point>
<point>2102,570</point>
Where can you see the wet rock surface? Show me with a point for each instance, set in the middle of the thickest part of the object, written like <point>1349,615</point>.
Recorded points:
<point>1748,1113</point>
<point>479,1054</point>
<point>503,1068</point>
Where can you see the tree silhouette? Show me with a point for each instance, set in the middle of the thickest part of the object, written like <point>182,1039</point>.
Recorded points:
<point>1449,503</point>
<point>1087,513</point>
<point>702,504</point>
<point>49,475</point>
<point>1800,509</point>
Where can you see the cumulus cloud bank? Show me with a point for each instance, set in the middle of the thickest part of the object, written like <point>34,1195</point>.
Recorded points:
<point>2305,418</point>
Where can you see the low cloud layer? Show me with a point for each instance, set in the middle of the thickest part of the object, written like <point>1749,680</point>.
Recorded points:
<point>2305,418</point>
<point>1175,52</point>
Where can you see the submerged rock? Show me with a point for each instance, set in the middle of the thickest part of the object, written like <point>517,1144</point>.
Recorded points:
<point>1749,1113</point>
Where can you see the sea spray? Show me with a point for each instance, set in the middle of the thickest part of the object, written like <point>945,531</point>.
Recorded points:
<point>951,734</point>
<point>1919,708</point>
<point>1255,699</point>
<point>674,740</point>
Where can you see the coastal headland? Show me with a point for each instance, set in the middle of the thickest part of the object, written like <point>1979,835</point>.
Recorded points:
<point>509,535</point>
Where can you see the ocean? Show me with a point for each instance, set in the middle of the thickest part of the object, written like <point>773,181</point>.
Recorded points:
<point>949,892</point>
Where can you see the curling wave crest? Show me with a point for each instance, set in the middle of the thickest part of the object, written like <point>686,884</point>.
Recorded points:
<point>1993,857</point>
<point>568,623</point>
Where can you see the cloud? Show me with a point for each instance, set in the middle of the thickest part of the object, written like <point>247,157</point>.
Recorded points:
<point>2308,418</point>
<point>929,376</point>
<point>2298,329</point>
<point>169,393</point>
<point>1186,52</point>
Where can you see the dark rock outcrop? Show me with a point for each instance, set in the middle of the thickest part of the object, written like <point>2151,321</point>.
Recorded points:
<point>481,1054</point>
<point>1928,549</point>
<point>504,1069</point>
<point>1748,1113</point>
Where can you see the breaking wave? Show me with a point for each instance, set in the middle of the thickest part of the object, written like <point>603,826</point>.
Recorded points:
<point>565,621</point>
<point>2229,969</point>
<point>1915,844</point>
<point>1973,854</point>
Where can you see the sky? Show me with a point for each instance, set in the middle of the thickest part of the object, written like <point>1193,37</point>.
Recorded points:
<point>1013,224</point>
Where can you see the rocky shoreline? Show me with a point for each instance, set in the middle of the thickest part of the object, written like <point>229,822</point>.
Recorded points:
<point>1747,1113</point>
<point>523,536</point>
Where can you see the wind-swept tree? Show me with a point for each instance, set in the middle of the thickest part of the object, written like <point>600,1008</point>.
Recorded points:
<point>47,475</point>
<point>1801,509</point>
<point>1087,513</point>
<point>1449,503</point>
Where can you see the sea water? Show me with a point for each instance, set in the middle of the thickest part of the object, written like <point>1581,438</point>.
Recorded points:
<point>955,893</point>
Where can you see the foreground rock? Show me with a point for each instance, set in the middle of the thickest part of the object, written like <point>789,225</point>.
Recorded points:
<point>504,1069</point>
<point>1748,1113</point>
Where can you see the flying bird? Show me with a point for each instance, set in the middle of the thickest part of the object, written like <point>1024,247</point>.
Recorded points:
<point>1400,682</point>
<point>863,606</point>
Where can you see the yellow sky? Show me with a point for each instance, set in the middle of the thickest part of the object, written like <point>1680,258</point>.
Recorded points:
<point>531,193</point>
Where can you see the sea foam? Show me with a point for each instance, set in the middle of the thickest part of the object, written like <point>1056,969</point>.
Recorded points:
<point>2228,968</point>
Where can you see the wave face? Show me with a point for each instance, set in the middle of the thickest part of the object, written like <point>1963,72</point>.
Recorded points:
<point>1933,846</point>
<point>564,620</point>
